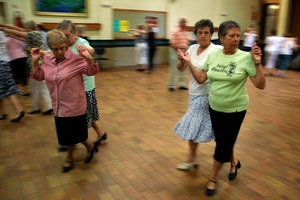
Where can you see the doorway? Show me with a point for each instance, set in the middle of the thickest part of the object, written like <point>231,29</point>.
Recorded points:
<point>270,19</point>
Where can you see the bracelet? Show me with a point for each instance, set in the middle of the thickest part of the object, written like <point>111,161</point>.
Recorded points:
<point>90,60</point>
<point>258,63</point>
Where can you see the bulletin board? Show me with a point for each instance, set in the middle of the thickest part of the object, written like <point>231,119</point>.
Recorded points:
<point>136,17</point>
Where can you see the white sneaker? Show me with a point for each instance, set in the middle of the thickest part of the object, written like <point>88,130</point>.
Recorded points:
<point>187,166</point>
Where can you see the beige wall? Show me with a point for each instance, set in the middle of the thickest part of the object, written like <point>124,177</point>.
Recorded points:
<point>193,10</point>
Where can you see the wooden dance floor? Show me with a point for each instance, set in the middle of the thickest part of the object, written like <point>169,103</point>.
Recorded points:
<point>138,159</point>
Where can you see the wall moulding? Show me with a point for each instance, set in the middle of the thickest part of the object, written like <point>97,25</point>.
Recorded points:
<point>89,26</point>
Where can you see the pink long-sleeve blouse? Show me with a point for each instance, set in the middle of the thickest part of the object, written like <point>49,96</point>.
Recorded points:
<point>65,82</point>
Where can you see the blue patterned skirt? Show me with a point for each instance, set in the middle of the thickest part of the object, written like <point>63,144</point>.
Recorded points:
<point>195,125</point>
<point>7,83</point>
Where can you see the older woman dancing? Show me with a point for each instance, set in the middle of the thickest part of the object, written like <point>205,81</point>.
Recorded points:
<point>227,70</point>
<point>195,126</point>
<point>63,71</point>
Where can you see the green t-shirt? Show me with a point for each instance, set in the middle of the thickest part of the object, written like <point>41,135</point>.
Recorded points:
<point>89,81</point>
<point>227,75</point>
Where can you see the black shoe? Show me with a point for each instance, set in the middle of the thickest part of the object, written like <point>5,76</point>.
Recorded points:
<point>171,89</point>
<point>2,117</point>
<point>182,88</point>
<point>210,192</point>
<point>66,169</point>
<point>91,154</point>
<point>48,112</point>
<point>140,70</point>
<point>21,114</point>
<point>102,138</point>
<point>34,112</point>
<point>232,175</point>
<point>24,94</point>
<point>62,148</point>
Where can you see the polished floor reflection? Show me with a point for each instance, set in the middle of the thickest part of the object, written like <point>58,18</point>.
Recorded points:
<point>139,157</point>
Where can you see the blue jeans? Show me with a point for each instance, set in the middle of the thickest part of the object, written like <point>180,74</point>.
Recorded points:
<point>284,61</point>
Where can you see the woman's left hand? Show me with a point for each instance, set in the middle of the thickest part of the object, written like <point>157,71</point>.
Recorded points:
<point>256,53</point>
<point>82,50</point>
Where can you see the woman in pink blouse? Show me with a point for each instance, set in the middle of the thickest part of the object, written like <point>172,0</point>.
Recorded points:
<point>63,71</point>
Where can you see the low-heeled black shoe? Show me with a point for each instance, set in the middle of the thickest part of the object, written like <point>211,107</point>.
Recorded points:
<point>2,117</point>
<point>65,169</point>
<point>91,154</point>
<point>21,114</point>
<point>48,112</point>
<point>102,138</point>
<point>210,192</point>
<point>62,148</point>
<point>232,175</point>
<point>34,112</point>
<point>182,88</point>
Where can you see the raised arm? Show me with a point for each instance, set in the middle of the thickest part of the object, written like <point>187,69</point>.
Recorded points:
<point>258,80</point>
<point>12,27</point>
<point>15,33</point>
<point>92,65</point>
<point>181,65</point>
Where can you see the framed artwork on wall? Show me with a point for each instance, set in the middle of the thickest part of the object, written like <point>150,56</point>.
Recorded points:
<point>75,8</point>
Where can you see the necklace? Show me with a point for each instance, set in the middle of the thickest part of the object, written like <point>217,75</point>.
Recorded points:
<point>59,60</point>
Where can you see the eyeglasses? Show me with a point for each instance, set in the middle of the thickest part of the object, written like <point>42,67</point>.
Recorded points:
<point>59,49</point>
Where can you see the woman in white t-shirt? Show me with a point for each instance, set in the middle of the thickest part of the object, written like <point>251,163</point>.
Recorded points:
<point>249,39</point>
<point>141,49</point>
<point>272,50</point>
<point>195,126</point>
<point>286,52</point>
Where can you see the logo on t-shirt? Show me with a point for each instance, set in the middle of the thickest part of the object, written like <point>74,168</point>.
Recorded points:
<point>229,70</point>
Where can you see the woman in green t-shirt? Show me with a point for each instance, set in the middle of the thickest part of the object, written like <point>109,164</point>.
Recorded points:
<point>227,70</point>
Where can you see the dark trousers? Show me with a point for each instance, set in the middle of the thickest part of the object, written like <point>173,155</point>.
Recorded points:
<point>284,61</point>
<point>19,70</point>
<point>151,52</point>
<point>226,127</point>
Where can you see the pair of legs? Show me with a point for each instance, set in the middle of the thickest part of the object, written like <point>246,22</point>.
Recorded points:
<point>15,102</point>
<point>9,89</point>
<point>217,167</point>
<point>151,54</point>
<point>192,151</point>
<point>173,60</point>
<point>141,57</point>
<point>19,69</point>
<point>284,61</point>
<point>226,127</point>
<point>40,89</point>
<point>99,131</point>
<point>271,60</point>
<point>71,131</point>
<point>70,150</point>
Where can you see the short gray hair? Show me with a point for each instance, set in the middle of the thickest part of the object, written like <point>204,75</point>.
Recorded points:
<point>56,37</point>
<point>80,28</point>
<point>30,25</point>
<point>66,25</point>
<point>227,25</point>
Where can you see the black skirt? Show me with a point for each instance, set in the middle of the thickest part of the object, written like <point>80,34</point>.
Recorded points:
<point>71,130</point>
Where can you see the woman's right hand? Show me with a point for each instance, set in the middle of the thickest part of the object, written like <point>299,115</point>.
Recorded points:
<point>35,53</point>
<point>183,56</point>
